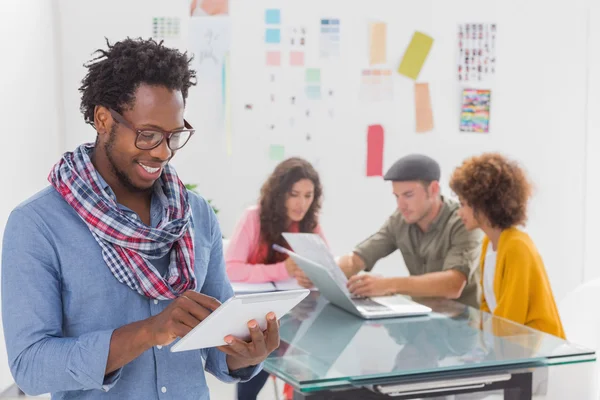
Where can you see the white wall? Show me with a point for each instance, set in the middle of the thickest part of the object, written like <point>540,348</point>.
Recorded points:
<point>592,195</point>
<point>31,120</point>
<point>538,103</point>
<point>538,115</point>
<point>84,26</point>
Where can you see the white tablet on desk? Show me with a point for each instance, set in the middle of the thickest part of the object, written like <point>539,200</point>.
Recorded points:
<point>232,318</point>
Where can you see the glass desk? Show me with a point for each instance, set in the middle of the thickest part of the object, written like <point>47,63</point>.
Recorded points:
<point>327,353</point>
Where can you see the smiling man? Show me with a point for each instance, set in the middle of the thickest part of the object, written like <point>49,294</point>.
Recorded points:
<point>115,260</point>
<point>440,254</point>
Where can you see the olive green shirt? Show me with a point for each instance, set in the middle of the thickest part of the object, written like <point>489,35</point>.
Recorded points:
<point>446,245</point>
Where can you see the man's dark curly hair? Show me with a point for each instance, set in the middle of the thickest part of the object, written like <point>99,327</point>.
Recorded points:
<point>494,186</point>
<point>115,74</point>
<point>273,196</point>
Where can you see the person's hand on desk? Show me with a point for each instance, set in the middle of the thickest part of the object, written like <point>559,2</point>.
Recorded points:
<point>241,354</point>
<point>368,285</point>
<point>295,272</point>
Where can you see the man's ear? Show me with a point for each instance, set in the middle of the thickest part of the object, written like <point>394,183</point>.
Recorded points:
<point>102,120</point>
<point>434,189</point>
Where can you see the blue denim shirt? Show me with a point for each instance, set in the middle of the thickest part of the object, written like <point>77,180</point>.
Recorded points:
<point>61,304</point>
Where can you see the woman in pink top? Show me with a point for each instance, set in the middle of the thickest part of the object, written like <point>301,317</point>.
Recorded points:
<point>289,202</point>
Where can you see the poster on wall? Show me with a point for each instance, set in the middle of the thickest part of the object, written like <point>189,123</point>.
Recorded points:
<point>376,85</point>
<point>209,37</point>
<point>476,52</point>
<point>209,40</point>
<point>330,38</point>
<point>166,27</point>
<point>209,8</point>
<point>475,111</point>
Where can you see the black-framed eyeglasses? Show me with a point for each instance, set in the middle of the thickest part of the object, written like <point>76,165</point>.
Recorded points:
<point>148,139</point>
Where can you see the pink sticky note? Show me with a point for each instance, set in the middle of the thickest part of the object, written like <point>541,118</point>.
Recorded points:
<point>274,58</point>
<point>375,150</point>
<point>297,58</point>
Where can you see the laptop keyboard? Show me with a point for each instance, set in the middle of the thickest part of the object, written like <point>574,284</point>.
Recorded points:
<point>368,304</point>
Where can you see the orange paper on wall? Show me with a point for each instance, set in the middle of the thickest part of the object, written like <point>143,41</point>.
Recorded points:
<point>424,115</point>
<point>377,42</point>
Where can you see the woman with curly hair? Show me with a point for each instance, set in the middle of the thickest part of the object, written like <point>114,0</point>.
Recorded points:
<point>290,201</point>
<point>493,193</point>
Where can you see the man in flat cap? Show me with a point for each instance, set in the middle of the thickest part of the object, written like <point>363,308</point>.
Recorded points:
<point>440,254</point>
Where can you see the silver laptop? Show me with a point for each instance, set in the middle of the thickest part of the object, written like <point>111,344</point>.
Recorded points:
<point>317,262</point>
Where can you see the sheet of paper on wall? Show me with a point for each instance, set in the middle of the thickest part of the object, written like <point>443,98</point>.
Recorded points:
<point>296,58</point>
<point>166,27</point>
<point>423,113</point>
<point>313,76</point>
<point>415,55</point>
<point>313,92</point>
<point>330,38</point>
<point>476,52</point>
<point>273,58</point>
<point>209,41</point>
<point>313,83</point>
<point>377,43</point>
<point>376,85</point>
<point>375,138</point>
<point>273,36</point>
<point>273,16</point>
<point>276,152</point>
<point>475,110</point>
<point>212,8</point>
<point>297,38</point>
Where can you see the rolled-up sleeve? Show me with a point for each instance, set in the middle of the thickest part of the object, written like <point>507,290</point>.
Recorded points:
<point>465,248</point>
<point>217,285</point>
<point>40,358</point>
<point>377,246</point>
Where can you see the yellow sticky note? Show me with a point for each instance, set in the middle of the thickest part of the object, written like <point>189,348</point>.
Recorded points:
<point>377,42</point>
<point>415,55</point>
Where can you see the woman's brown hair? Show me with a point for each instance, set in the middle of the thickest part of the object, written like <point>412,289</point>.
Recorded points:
<point>273,196</point>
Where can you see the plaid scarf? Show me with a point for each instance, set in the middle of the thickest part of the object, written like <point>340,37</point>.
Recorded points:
<point>129,245</point>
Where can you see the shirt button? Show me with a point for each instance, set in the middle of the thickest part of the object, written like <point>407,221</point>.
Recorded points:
<point>159,347</point>
<point>163,389</point>
<point>155,301</point>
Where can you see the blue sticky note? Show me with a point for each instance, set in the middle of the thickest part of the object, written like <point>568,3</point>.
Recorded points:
<point>273,16</point>
<point>273,36</point>
<point>313,92</point>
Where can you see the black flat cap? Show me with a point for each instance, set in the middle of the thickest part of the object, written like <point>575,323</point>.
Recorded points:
<point>414,167</point>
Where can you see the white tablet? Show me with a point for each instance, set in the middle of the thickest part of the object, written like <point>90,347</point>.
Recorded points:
<point>232,318</point>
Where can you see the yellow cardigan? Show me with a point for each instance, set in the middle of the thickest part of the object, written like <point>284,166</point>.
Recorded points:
<point>523,292</point>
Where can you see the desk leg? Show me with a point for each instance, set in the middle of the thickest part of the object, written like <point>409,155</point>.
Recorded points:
<point>353,394</point>
<point>522,389</point>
